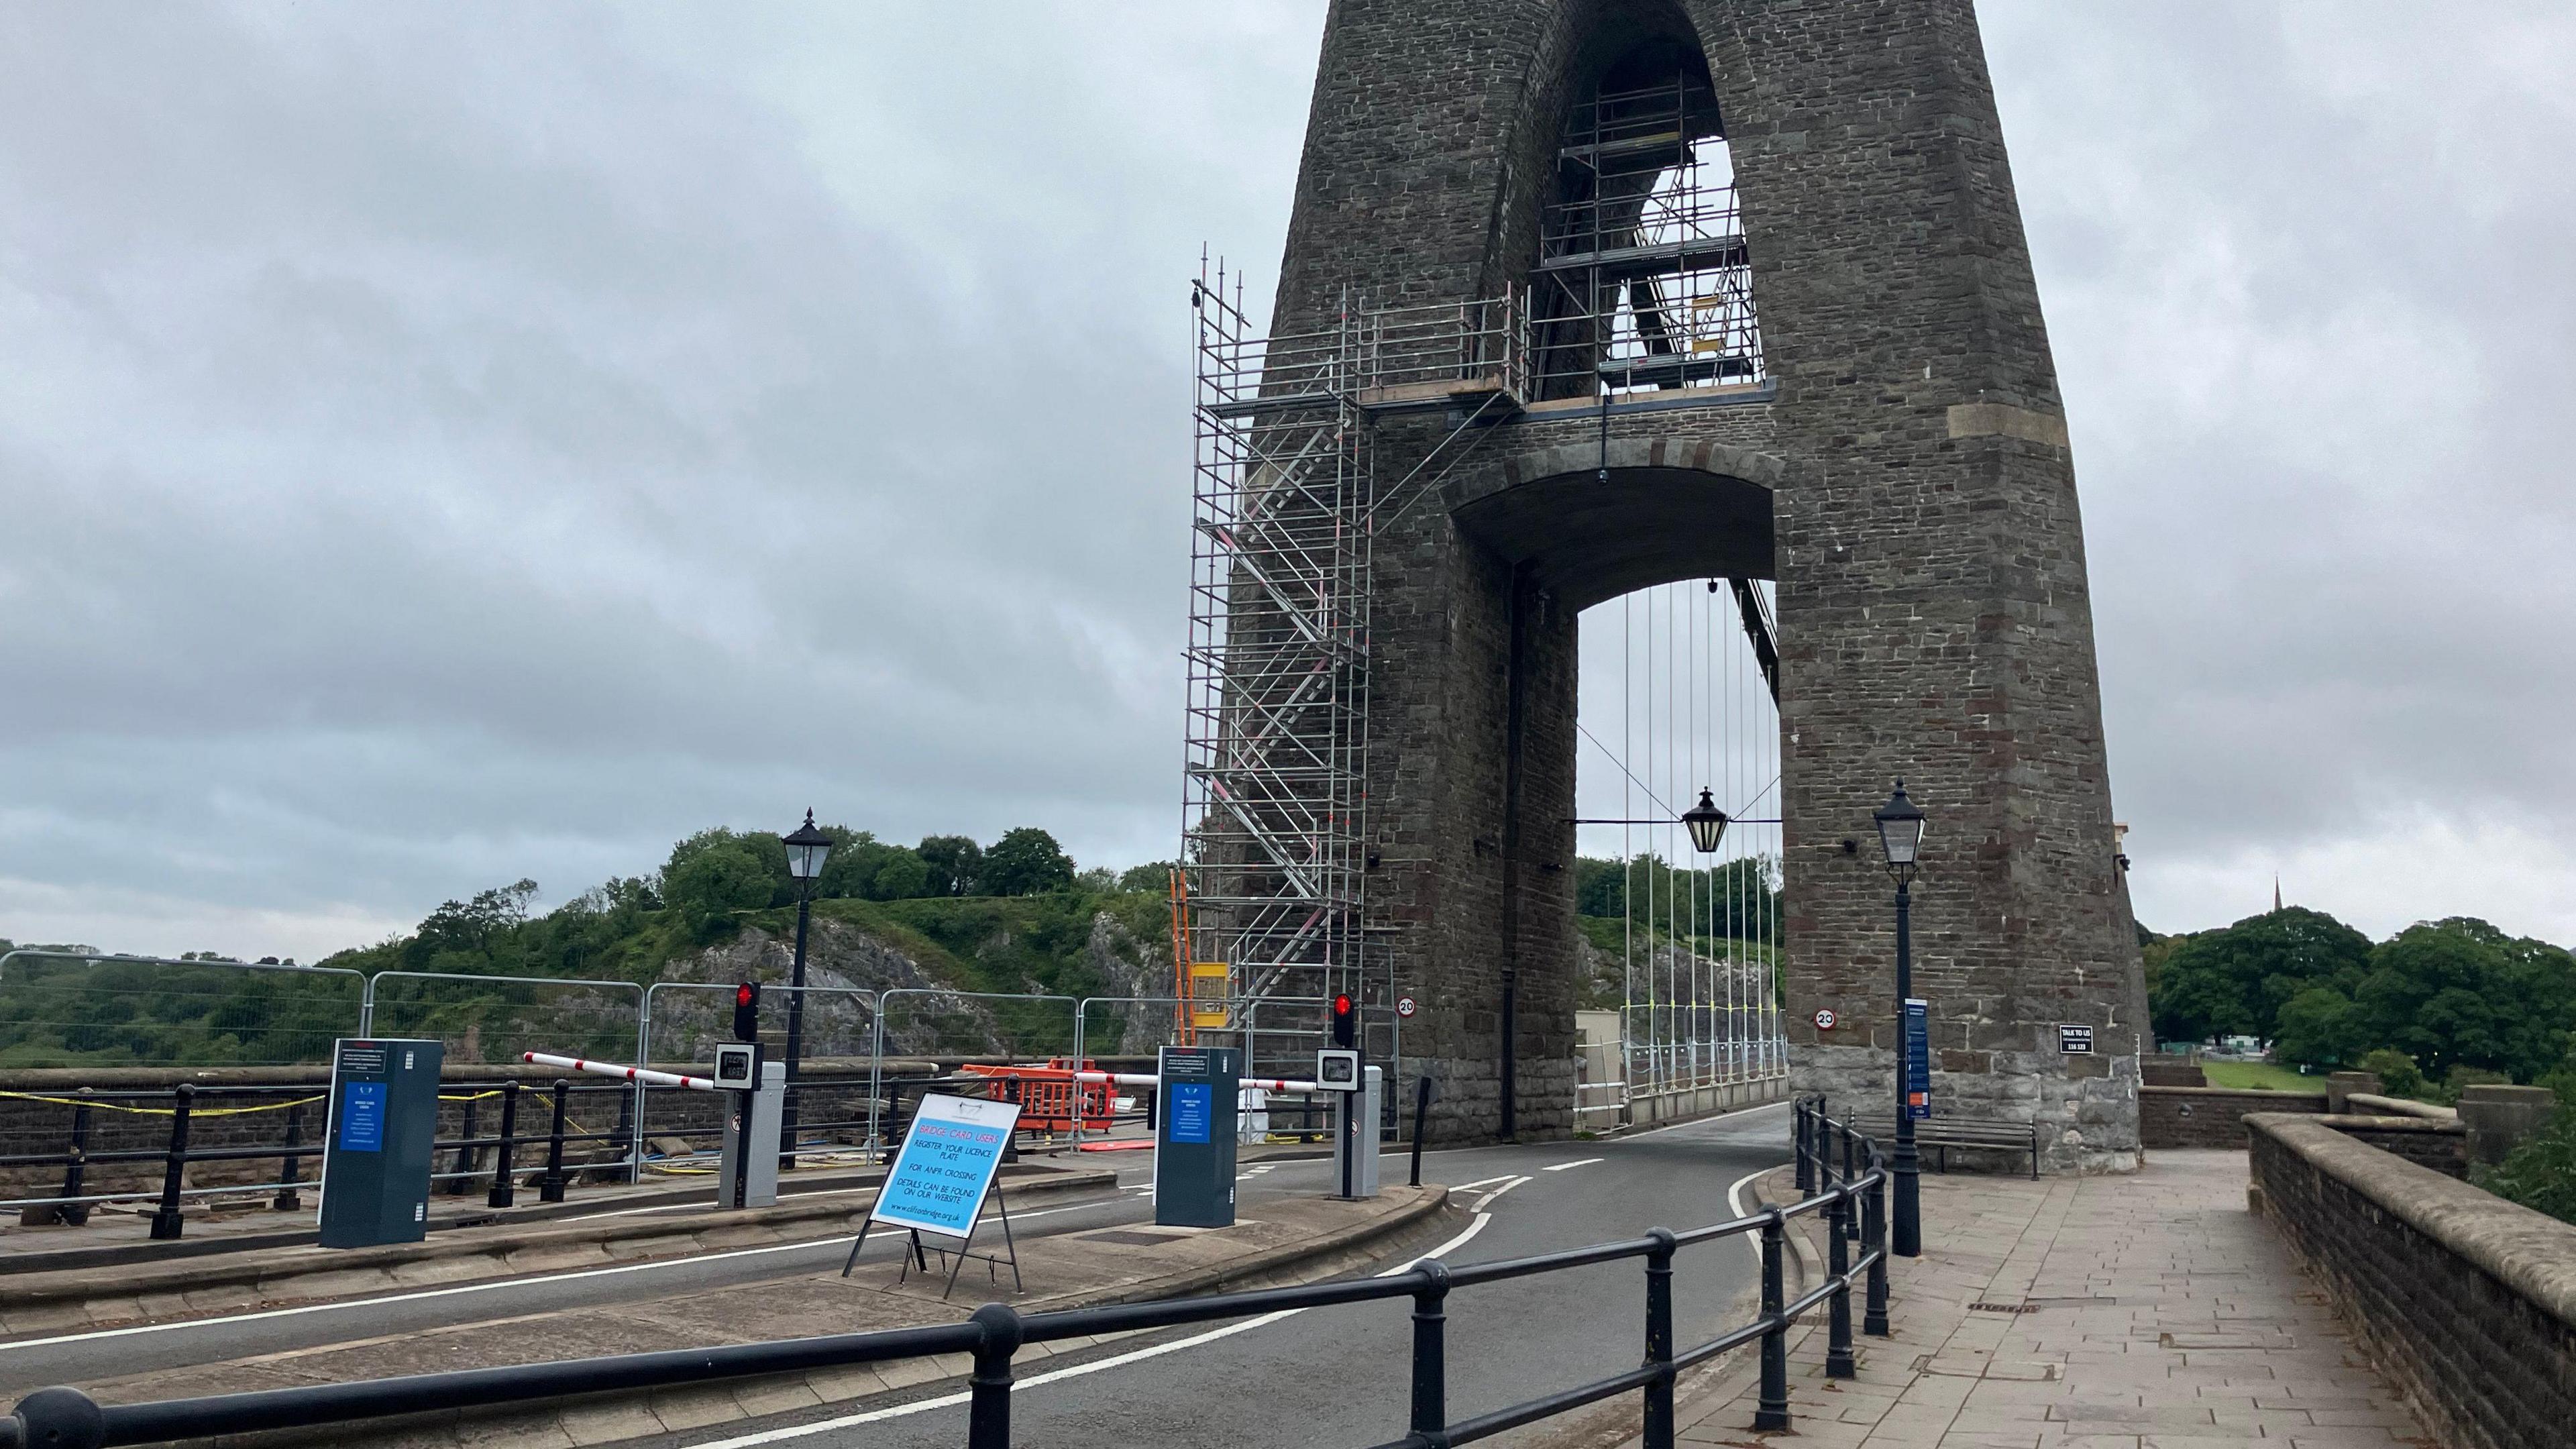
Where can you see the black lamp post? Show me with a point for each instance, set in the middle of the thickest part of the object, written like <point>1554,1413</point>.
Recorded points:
<point>1900,836</point>
<point>806,848</point>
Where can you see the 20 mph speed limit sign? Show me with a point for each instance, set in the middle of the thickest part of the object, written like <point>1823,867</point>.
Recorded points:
<point>1405,1006</point>
<point>1825,1018</point>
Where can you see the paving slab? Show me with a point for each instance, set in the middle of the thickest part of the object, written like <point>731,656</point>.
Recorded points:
<point>2147,1311</point>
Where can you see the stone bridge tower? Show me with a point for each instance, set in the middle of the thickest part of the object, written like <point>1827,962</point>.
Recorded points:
<point>1823,365</point>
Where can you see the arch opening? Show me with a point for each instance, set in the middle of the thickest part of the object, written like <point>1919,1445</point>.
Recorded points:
<point>1678,996</point>
<point>1643,283</point>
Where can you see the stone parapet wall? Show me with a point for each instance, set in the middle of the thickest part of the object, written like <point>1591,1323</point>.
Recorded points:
<point>2156,1069</point>
<point>2465,1301</point>
<point>2210,1116</point>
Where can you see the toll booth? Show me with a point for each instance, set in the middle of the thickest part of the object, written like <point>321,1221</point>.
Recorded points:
<point>1194,1135</point>
<point>751,1120</point>
<point>376,1152</point>
<point>1356,1116</point>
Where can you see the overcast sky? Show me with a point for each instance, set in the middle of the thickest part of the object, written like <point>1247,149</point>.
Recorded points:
<point>440,445</point>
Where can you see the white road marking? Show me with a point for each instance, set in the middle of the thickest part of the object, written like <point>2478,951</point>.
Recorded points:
<point>301,1309</point>
<point>1562,1166</point>
<point>1479,1182</point>
<point>950,1401</point>
<point>1735,1205</point>
<point>1487,1200</point>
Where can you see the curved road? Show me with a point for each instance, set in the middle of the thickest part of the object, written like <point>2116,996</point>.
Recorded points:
<point>1341,1376</point>
<point>1326,1377</point>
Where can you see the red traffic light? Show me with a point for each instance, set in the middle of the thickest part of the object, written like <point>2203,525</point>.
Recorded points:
<point>1346,1025</point>
<point>746,1011</point>
<point>1341,1006</point>
<point>745,994</point>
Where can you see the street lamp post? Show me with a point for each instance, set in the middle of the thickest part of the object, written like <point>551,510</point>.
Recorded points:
<point>1900,837</point>
<point>806,849</point>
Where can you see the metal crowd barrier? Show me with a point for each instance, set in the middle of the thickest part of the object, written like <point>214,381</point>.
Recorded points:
<point>1851,1193</point>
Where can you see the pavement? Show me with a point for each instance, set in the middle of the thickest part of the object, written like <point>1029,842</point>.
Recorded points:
<point>2151,1311</point>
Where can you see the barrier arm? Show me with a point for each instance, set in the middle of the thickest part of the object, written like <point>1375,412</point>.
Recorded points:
<point>645,1075</point>
<point>1149,1079</point>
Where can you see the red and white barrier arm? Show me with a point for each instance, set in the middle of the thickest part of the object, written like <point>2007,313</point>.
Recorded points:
<point>1148,1079</point>
<point>646,1075</point>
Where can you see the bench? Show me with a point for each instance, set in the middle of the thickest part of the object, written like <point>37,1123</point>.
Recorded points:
<point>1943,1133</point>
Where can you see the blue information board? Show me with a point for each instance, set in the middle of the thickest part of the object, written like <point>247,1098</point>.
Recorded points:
<point>1918,1058</point>
<point>1193,1109</point>
<point>362,1117</point>
<point>939,1179</point>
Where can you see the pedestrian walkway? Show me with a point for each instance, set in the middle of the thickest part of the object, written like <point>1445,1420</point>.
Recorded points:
<point>2144,1312</point>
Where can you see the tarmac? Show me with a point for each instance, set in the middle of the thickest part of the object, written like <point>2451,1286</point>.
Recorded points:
<point>1294,1239</point>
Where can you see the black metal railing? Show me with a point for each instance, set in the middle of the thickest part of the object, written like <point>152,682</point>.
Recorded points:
<point>540,1145</point>
<point>1849,1187</point>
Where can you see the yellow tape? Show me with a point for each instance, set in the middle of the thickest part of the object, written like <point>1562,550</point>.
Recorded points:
<point>161,1111</point>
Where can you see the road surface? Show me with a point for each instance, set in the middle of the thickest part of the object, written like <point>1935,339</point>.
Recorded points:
<point>1341,1376</point>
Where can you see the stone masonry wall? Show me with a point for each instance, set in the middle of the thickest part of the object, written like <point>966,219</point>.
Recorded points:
<point>2210,1116</point>
<point>1934,614</point>
<point>2465,1301</point>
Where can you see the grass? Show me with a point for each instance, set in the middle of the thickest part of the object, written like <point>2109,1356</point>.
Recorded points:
<point>2259,1076</point>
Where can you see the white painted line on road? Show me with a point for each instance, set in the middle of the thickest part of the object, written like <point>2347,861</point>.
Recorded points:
<point>1562,1166</point>
<point>1479,1182</point>
<point>1487,1200</point>
<point>1735,1205</point>
<point>950,1401</point>
<point>302,1309</point>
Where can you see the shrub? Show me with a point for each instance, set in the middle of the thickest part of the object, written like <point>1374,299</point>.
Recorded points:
<point>2398,1075</point>
<point>2541,1173</point>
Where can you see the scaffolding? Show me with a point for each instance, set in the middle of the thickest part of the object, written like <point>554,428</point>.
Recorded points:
<point>1286,507</point>
<point>1643,282</point>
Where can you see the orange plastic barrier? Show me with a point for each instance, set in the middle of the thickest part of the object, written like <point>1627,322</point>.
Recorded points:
<point>1048,1095</point>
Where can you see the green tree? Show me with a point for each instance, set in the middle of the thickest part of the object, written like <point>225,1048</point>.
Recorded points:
<point>2236,981</point>
<point>714,874</point>
<point>2460,992</point>
<point>1024,862</point>
<point>1153,875</point>
<point>902,876</point>
<point>954,861</point>
<point>2319,1028</point>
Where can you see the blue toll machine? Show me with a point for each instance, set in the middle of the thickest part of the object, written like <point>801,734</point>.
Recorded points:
<point>1194,1132</point>
<point>375,1159</point>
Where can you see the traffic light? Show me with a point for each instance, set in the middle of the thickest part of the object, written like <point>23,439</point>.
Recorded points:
<point>746,1011</point>
<point>1346,1022</point>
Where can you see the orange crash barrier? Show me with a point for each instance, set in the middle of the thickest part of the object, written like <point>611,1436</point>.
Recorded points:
<point>1049,1096</point>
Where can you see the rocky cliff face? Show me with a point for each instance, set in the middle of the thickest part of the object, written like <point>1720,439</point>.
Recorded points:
<point>846,968</point>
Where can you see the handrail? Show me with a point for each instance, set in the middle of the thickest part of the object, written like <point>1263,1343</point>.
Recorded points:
<point>63,1418</point>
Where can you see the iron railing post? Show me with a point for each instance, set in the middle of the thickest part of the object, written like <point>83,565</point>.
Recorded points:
<point>550,1183</point>
<point>624,1132</point>
<point>1838,1344</point>
<point>1773,1410</point>
<point>1430,1361</point>
<point>1659,1338</point>
<point>60,1419</point>
<point>290,1169</point>
<point>165,1222</point>
<point>75,1174</point>
<point>1851,1158</point>
<point>467,1128</point>
<point>1874,1237</point>
<point>1801,1131</point>
<point>988,1412</point>
<point>1421,1118</point>
<point>505,1192</point>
